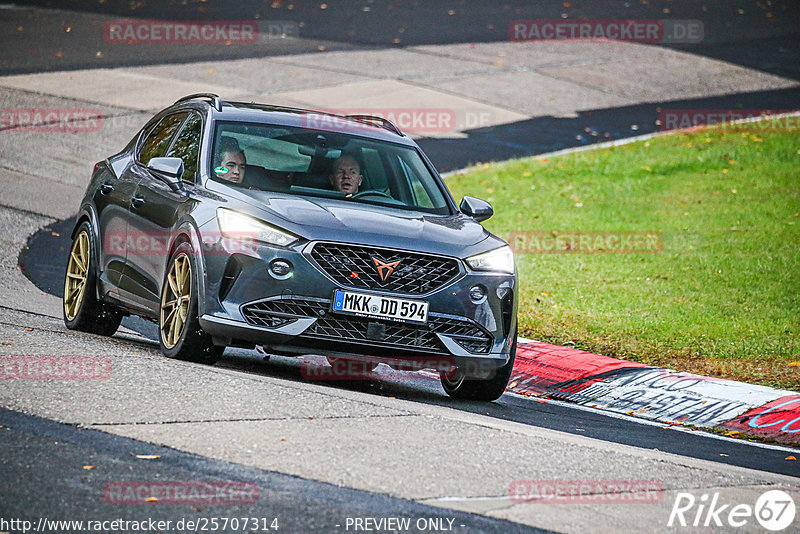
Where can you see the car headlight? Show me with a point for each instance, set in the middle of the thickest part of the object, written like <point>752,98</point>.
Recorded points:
<point>237,225</point>
<point>499,260</point>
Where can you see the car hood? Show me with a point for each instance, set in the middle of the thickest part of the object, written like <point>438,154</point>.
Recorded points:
<point>337,220</point>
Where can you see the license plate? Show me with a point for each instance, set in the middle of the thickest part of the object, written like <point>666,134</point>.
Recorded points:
<point>380,307</point>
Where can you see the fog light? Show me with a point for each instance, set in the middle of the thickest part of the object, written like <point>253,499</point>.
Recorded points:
<point>280,269</point>
<point>477,293</point>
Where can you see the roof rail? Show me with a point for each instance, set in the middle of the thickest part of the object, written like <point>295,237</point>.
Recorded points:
<point>386,124</point>
<point>216,101</point>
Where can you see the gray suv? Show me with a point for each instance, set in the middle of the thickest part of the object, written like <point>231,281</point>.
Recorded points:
<point>236,224</point>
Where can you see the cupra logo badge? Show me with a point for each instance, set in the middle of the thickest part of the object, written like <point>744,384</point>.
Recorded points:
<point>384,269</point>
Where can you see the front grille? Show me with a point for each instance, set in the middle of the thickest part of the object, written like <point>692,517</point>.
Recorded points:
<point>264,314</point>
<point>357,329</point>
<point>350,328</point>
<point>354,266</point>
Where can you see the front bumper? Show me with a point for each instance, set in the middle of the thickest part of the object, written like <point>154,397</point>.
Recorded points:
<point>246,304</point>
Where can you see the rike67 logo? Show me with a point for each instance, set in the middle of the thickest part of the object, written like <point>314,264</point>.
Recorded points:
<point>774,510</point>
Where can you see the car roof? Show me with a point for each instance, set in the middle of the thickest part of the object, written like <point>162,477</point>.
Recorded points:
<point>361,125</point>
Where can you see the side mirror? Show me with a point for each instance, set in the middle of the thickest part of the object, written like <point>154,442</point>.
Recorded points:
<point>478,209</point>
<point>168,169</point>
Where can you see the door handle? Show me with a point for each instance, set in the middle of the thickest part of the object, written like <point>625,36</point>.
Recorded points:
<point>106,188</point>
<point>137,202</point>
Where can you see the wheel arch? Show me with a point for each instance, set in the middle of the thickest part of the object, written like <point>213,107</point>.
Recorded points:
<point>88,215</point>
<point>188,233</point>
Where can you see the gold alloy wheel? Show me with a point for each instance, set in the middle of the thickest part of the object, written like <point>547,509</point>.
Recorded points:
<point>175,299</point>
<point>77,275</point>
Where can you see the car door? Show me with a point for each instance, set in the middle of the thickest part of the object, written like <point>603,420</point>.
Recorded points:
<point>156,211</point>
<point>139,241</point>
<point>112,200</point>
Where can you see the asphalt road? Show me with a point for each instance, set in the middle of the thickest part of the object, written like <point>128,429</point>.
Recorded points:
<point>46,461</point>
<point>748,33</point>
<point>755,34</point>
<point>322,452</point>
<point>44,260</point>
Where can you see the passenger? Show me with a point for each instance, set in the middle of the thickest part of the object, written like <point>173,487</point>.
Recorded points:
<point>346,174</point>
<point>231,162</point>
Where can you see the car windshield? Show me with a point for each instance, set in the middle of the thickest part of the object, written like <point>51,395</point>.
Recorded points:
<point>324,164</point>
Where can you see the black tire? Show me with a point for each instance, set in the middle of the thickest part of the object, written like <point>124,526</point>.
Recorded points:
<point>80,308</point>
<point>459,387</point>
<point>192,344</point>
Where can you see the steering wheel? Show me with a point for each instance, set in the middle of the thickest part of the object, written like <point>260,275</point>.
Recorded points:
<point>372,192</point>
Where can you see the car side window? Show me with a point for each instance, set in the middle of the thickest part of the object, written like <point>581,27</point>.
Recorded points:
<point>187,146</point>
<point>158,139</point>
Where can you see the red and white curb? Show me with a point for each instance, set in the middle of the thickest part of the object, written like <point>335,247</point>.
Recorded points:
<point>664,395</point>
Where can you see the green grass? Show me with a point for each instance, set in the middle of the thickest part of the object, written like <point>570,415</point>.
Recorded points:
<point>723,295</point>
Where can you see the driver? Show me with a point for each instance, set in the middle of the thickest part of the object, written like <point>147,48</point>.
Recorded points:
<point>346,174</point>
